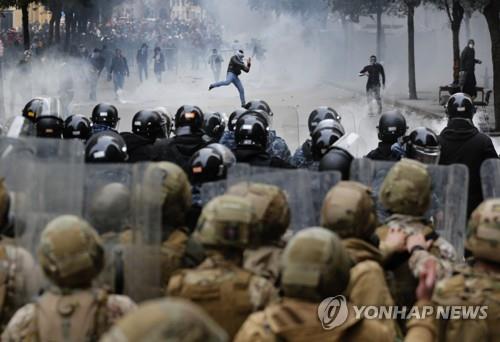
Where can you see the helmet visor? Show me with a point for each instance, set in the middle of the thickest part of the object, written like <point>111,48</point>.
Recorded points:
<point>427,155</point>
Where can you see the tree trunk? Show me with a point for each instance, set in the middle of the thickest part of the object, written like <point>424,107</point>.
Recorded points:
<point>68,25</point>
<point>51,28</point>
<point>26,26</point>
<point>412,82</point>
<point>379,33</point>
<point>457,15</point>
<point>491,13</point>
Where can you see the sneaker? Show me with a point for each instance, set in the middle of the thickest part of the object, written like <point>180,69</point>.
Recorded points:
<point>210,87</point>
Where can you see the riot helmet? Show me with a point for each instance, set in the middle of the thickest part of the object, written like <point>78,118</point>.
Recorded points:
<point>214,124</point>
<point>106,147</point>
<point>460,105</point>
<point>77,127</point>
<point>423,145</point>
<point>49,126</point>
<point>148,124</point>
<point>41,105</point>
<point>391,126</point>
<point>251,131</point>
<point>326,134</point>
<point>260,105</point>
<point>320,114</point>
<point>188,120</point>
<point>167,121</point>
<point>208,165</point>
<point>233,118</point>
<point>105,114</point>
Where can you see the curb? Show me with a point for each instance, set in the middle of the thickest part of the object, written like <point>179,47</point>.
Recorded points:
<point>391,102</point>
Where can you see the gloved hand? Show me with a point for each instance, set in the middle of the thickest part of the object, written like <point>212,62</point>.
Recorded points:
<point>399,150</point>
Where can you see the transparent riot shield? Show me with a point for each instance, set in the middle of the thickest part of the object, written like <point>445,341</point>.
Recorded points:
<point>70,151</point>
<point>53,189</point>
<point>297,186</point>
<point>107,207</point>
<point>19,126</point>
<point>490,178</point>
<point>448,210</point>
<point>352,143</point>
<point>143,276</point>
<point>321,183</point>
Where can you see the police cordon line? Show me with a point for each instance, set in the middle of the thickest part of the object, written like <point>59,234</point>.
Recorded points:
<point>165,231</point>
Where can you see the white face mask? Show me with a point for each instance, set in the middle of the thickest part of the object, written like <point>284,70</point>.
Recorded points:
<point>471,46</point>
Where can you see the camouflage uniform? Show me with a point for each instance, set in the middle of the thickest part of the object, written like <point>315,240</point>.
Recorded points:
<point>478,285</point>
<point>302,158</point>
<point>175,198</point>
<point>219,285</point>
<point>166,319</point>
<point>71,255</point>
<point>276,147</point>
<point>349,210</point>
<point>406,192</point>
<point>273,212</point>
<point>17,268</point>
<point>315,266</point>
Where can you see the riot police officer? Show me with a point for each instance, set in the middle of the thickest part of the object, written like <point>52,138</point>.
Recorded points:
<point>77,127</point>
<point>106,147</point>
<point>391,127</point>
<point>251,140</point>
<point>189,137</point>
<point>104,118</point>
<point>423,145</point>
<point>147,127</point>
<point>462,143</point>
<point>227,138</point>
<point>49,126</point>
<point>214,125</point>
<point>303,155</point>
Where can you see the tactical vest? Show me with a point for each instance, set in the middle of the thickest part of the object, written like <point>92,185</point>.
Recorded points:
<point>294,320</point>
<point>78,317</point>
<point>222,292</point>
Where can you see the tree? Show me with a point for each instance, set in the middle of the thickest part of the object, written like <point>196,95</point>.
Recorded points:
<point>407,8</point>
<point>491,12</point>
<point>24,6</point>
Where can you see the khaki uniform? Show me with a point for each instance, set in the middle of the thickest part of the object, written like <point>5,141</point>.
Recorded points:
<point>17,273</point>
<point>225,291</point>
<point>402,269</point>
<point>297,320</point>
<point>264,261</point>
<point>367,284</point>
<point>79,316</point>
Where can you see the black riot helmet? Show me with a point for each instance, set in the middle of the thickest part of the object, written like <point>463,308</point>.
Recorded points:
<point>41,106</point>
<point>106,147</point>
<point>423,145</point>
<point>324,136</point>
<point>214,124</point>
<point>460,105</point>
<point>49,126</point>
<point>259,104</point>
<point>188,120</point>
<point>320,114</point>
<point>391,126</point>
<point>251,131</point>
<point>105,114</point>
<point>260,114</point>
<point>337,159</point>
<point>167,121</point>
<point>148,124</point>
<point>210,164</point>
<point>233,118</point>
<point>76,127</point>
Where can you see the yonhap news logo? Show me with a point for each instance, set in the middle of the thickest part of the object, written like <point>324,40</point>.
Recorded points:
<point>334,311</point>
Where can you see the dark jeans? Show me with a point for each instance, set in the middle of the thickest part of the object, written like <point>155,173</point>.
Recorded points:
<point>143,69</point>
<point>234,79</point>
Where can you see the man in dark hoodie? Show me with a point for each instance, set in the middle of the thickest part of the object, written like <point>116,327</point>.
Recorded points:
<point>189,137</point>
<point>236,65</point>
<point>147,127</point>
<point>391,127</point>
<point>462,143</point>
<point>251,139</point>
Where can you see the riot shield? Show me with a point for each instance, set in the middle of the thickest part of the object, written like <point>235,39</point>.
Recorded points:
<point>54,188</point>
<point>107,207</point>
<point>143,276</point>
<point>490,178</point>
<point>297,186</point>
<point>321,183</point>
<point>448,210</point>
<point>19,126</point>
<point>70,151</point>
<point>352,143</point>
